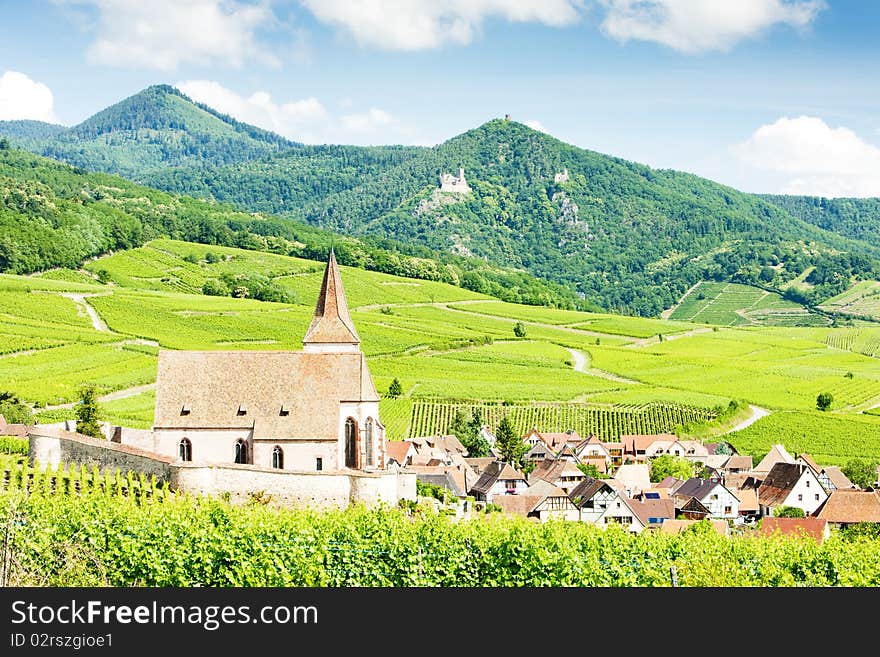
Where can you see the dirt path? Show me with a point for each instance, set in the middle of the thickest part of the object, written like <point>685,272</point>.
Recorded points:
<point>437,304</point>
<point>644,342</point>
<point>581,363</point>
<point>757,414</point>
<point>112,396</point>
<point>666,313</point>
<point>80,300</point>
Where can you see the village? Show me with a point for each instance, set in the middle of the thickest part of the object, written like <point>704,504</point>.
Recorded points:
<point>782,493</point>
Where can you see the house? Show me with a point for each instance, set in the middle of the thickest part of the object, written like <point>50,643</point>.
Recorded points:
<point>479,463</point>
<point>777,454</point>
<point>538,452</point>
<point>815,528</point>
<point>653,512</point>
<point>597,462</point>
<point>499,478</point>
<point>400,452</point>
<point>713,495</point>
<point>847,507</point>
<point>749,508</point>
<point>831,477</point>
<point>615,451</point>
<point>592,497</point>
<point>625,512</point>
<point>693,509</point>
<point>457,479</point>
<point>446,449</point>
<point>559,472</point>
<point>635,446</point>
<point>566,453</point>
<point>305,411</point>
<point>591,450</point>
<point>634,477</point>
<point>738,463</point>
<point>791,484</point>
<point>678,526</point>
<point>542,501</point>
<point>668,484</point>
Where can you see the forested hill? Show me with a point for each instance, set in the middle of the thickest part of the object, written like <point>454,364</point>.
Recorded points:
<point>629,237</point>
<point>53,215</point>
<point>154,129</point>
<point>622,235</point>
<point>858,218</point>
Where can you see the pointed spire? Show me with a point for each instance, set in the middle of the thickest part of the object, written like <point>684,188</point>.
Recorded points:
<point>331,324</point>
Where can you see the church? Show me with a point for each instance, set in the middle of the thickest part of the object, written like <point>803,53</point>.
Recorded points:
<point>304,411</point>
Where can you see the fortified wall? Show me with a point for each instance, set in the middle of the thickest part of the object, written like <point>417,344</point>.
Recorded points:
<point>321,490</point>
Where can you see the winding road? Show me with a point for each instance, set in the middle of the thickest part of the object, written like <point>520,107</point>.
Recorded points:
<point>757,414</point>
<point>80,300</point>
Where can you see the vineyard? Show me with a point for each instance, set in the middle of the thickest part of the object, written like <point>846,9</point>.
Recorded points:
<point>859,340</point>
<point>607,422</point>
<point>75,528</point>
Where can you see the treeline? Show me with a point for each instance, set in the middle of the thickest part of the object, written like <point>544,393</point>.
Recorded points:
<point>52,215</point>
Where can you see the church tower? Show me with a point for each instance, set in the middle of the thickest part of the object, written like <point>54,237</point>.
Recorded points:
<point>331,330</point>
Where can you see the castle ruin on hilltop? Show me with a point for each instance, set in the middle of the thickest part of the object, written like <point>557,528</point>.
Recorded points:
<point>455,184</point>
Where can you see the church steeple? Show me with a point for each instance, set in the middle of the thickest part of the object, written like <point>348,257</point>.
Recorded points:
<point>331,328</point>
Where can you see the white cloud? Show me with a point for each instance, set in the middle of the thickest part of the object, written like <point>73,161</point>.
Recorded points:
<point>535,125</point>
<point>23,98</point>
<point>294,119</point>
<point>368,121</point>
<point>701,25</point>
<point>306,120</point>
<point>424,24</point>
<point>162,34</point>
<point>810,157</point>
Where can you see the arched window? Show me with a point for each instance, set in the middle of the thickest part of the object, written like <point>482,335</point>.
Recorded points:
<point>278,458</point>
<point>185,450</point>
<point>241,451</point>
<point>368,440</point>
<point>350,443</point>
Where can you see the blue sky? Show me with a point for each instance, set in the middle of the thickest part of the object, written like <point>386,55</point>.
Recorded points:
<point>764,95</point>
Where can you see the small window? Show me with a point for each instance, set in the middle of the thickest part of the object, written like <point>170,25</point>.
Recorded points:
<point>285,410</point>
<point>728,510</point>
<point>319,464</point>
<point>242,409</point>
<point>800,498</point>
<point>184,450</point>
<point>185,409</point>
<point>817,497</point>
<point>808,483</point>
<point>618,505</point>
<point>278,458</point>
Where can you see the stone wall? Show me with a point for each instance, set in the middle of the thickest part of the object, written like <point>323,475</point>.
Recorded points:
<point>48,450</point>
<point>320,490</point>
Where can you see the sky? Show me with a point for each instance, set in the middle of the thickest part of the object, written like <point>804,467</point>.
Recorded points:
<point>775,96</point>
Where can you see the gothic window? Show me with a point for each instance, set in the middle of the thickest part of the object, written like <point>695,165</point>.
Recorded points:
<point>185,450</point>
<point>278,458</point>
<point>368,440</point>
<point>350,443</point>
<point>241,451</point>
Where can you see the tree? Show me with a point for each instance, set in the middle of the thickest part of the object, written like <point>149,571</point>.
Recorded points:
<point>861,472</point>
<point>467,430</point>
<point>668,465</point>
<point>590,470</point>
<point>722,448</point>
<point>215,288</point>
<point>519,330</point>
<point>14,410</point>
<point>88,412</point>
<point>395,389</point>
<point>824,400</point>
<point>509,443</point>
<point>789,512</point>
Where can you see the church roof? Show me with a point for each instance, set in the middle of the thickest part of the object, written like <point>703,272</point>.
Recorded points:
<point>281,394</point>
<point>331,324</point>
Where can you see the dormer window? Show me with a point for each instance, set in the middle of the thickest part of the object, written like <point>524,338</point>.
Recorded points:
<point>285,409</point>
<point>185,409</point>
<point>242,409</point>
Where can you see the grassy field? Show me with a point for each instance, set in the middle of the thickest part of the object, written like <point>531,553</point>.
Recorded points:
<point>423,334</point>
<point>863,299</point>
<point>732,304</point>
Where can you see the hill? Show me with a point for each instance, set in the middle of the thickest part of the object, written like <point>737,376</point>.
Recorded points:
<point>621,235</point>
<point>53,215</point>
<point>858,218</point>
